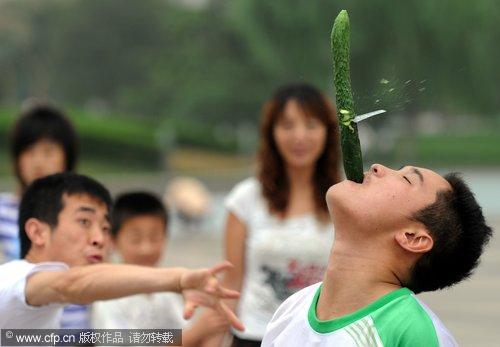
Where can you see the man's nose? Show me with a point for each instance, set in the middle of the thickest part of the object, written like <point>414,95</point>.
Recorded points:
<point>97,238</point>
<point>378,170</point>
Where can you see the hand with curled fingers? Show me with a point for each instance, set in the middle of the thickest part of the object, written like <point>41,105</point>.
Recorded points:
<point>202,288</point>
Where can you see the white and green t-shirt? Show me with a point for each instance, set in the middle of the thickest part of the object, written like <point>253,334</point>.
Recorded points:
<point>396,319</point>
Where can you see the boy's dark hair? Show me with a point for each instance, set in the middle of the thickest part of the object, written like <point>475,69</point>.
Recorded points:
<point>459,231</point>
<point>43,121</point>
<point>43,200</point>
<point>133,204</point>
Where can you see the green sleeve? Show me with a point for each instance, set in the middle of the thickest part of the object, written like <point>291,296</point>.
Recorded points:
<point>405,323</point>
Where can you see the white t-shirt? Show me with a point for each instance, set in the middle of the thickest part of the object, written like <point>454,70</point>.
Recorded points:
<point>397,319</point>
<point>15,313</point>
<point>282,256</point>
<point>143,311</point>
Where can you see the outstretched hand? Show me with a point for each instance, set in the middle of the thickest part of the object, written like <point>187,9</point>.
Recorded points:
<point>202,288</point>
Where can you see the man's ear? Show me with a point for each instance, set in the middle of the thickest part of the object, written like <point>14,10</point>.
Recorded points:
<point>38,232</point>
<point>415,239</point>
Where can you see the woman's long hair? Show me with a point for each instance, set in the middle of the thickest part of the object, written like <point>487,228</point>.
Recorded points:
<point>271,167</point>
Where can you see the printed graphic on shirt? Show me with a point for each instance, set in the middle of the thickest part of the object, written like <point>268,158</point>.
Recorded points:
<point>296,277</point>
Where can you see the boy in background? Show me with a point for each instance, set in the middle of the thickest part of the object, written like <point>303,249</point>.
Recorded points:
<point>139,231</point>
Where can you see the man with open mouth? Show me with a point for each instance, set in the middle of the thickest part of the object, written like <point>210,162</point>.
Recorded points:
<point>64,230</point>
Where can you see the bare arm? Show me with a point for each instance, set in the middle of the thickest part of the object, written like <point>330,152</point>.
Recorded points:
<point>235,242</point>
<point>235,239</point>
<point>86,284</point>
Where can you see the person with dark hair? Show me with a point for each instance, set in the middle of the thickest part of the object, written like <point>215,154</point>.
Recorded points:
<point>139,231</point>
<point>133,205</point>
<point>399,233</point>
<point>42,142</point>
<point>44,135</point>
<point>277,230</point>
<point>65,225</point>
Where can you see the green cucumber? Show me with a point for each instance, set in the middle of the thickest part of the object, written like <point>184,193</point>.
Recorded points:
<point>351,148</point>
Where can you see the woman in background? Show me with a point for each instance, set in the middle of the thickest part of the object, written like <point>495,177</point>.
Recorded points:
<point>277,232</point>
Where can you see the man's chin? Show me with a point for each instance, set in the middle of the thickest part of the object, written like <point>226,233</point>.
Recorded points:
<point>345,184</point>
<point>333,193</point>
<point>342,191</point>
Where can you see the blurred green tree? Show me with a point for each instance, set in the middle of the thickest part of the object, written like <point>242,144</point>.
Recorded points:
<point>217,63</point>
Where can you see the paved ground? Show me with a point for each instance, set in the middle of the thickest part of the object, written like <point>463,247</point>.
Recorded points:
<point>471,310</point>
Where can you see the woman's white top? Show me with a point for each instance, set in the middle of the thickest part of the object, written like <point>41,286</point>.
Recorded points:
<point>282,256</point>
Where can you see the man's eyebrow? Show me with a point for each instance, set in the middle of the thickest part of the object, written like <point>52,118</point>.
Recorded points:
<point>86,209</point>
<point>92,210</point>
<point>418,173</point>
<point>402,167</point>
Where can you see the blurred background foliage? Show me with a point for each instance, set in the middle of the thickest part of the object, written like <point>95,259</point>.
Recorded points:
<point>143,79</point>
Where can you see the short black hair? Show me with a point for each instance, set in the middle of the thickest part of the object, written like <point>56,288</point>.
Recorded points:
<point>43,200</point>
<point>460,233</point>
<point>133,204</point>
<point>39,122</point>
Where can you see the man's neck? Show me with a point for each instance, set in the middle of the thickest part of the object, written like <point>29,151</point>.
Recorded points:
<point>355,277</point>
<point>34,258</point>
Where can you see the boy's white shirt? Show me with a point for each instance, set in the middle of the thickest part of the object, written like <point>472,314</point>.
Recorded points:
<point>15,312</point>
<point>142,311</point>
